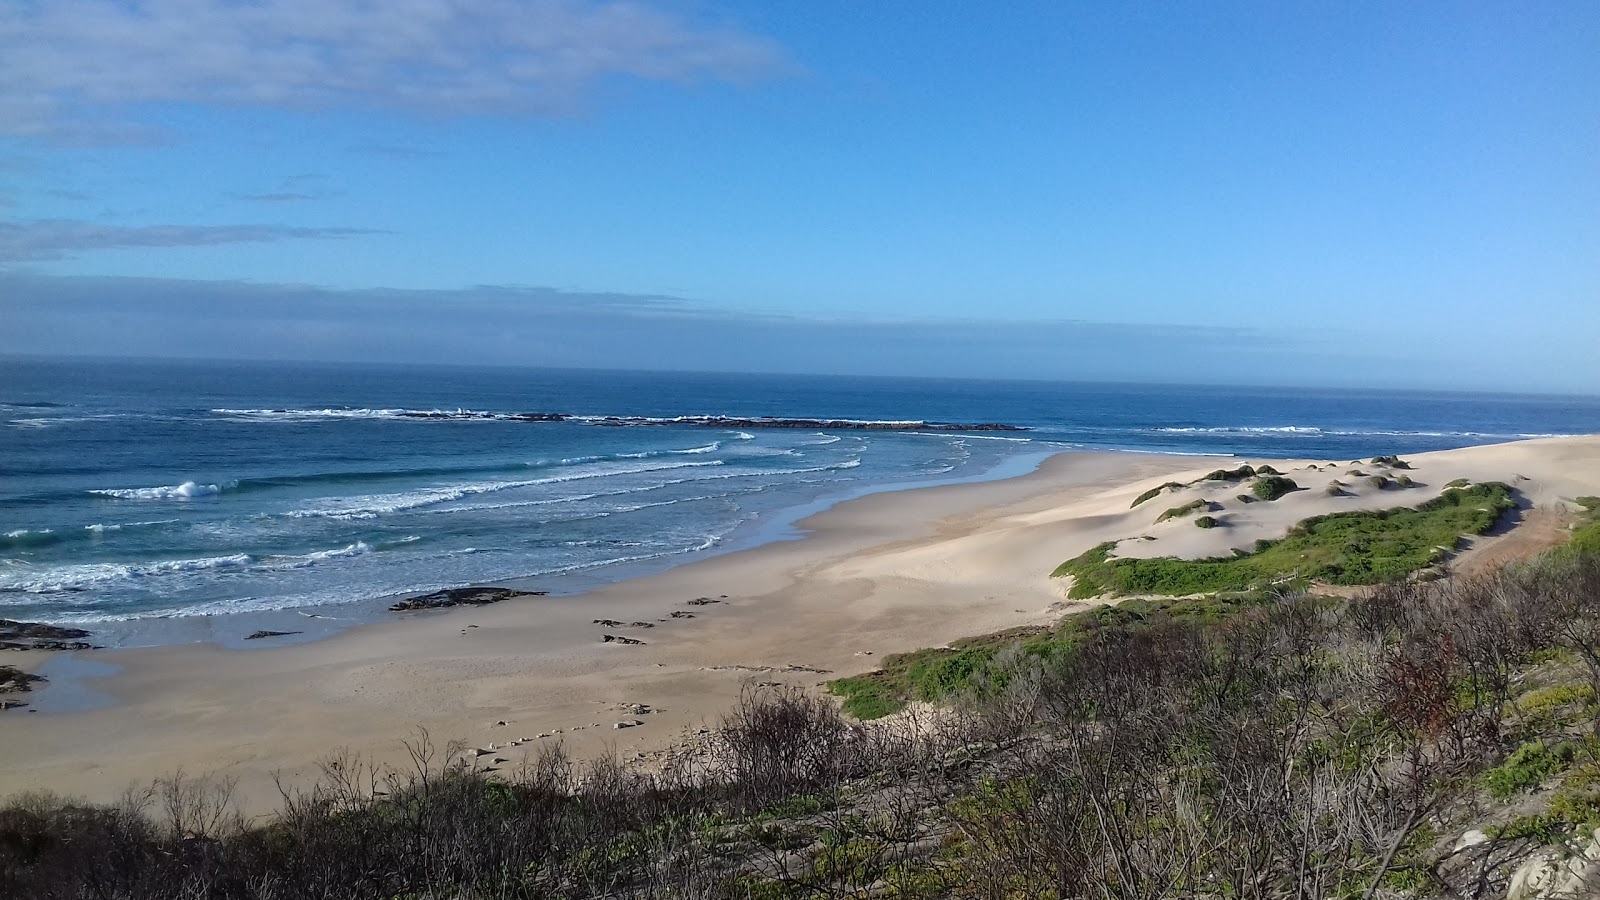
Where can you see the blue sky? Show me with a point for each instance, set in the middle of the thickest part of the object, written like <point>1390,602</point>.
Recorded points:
<point>1334,194</point>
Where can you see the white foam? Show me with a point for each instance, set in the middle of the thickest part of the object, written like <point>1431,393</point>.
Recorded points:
<point>83,576</point>
<point>186,491</point>
<point>965,436</point>
<point>374,505</point>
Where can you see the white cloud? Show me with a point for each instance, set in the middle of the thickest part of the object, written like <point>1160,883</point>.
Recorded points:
<point>74,69</point>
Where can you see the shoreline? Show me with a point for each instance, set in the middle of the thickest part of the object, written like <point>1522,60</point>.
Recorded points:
<point>890,571</point>
<point>303,625</point>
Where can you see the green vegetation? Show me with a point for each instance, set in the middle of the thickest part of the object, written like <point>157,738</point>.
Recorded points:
<point>1586,536</point>
<point>1393,462</point>
<point>1404,481</point>
<point>1272,487</point>
<point>1206,522</point>
<point>1378,481</point>
<point>1346,548</point>
<point>1459,482</point>
<point>1180,511</point>
<point>1267,470</point>
<point>1245,498</point>
<point>1171,485</point>
<point>1239,474</point>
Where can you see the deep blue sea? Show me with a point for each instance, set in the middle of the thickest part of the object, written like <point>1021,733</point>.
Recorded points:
<point>138,490</point>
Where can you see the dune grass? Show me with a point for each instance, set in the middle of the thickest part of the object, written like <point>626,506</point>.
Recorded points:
<point>1178,512</point>
<point>1341,548</point>
<point>1171,485</point>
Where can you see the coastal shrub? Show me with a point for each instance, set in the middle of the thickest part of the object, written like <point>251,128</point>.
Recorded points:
<point>1180,511</point>
<point>1404,481</point>
<point>1378,481</point>
<point>1273,486</point>
<point>1171,485</point>
<point>1346,548</point>
<point>1393,462</point>
<point>1528,766</point>
<point>1239,474</point>
<point>1206,522</point>
<point>1268,470</point>
<point>1334,489</point>
<point>1245,498</point>
<point>1458,482</point>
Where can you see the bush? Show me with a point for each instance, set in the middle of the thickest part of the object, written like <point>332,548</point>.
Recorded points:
<point>1239,474</point>
<point>1206,522</point>
<point>1378,481</point>
<point>1393,462</point>
<point>1457,483</point>
<point>1245,498</point>
<point>1268,470</point>
<point>1404,481</point>
<point>1273,486</point>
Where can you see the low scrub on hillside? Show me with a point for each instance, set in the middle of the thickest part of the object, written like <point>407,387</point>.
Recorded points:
<point>1251,745</point>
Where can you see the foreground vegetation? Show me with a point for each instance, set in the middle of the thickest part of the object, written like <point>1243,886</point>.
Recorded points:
<point>1418,740</point>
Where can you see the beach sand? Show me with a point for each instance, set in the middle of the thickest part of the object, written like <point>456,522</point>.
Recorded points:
<point>880,574</point>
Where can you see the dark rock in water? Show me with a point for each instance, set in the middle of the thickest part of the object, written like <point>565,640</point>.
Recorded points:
<point>467,596</point>
<point>266,634</point>
<point>39,636</point>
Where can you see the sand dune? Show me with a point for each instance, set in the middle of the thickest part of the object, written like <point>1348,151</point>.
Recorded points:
<point>881,574</point>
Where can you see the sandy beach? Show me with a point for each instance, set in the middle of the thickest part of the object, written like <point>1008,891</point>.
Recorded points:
<point>881,574</point>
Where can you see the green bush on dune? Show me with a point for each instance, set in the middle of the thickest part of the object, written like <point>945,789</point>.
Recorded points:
<point>1171,485</point>
<point>1273,486</point>
<point>1346,548</point>
<point>1239,474</point>
<point>1180,511</point>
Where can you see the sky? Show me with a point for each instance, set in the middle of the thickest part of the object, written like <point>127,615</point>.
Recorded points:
<point>1265,193</point>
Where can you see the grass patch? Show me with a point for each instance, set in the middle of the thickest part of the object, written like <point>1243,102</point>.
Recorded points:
<point>1178,512</point>
<point>1459,482</point>
<point>869,696</point>
<point>1171,485</point>
<point>1366,547</point>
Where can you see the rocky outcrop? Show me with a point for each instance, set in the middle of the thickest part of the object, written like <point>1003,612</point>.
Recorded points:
<point>467,596</point>
<point>15,681</point>
<point>39,636</point>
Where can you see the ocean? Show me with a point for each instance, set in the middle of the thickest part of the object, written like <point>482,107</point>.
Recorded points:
<point>162,501</point>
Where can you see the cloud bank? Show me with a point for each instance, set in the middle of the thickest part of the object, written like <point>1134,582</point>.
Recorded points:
<point>76,70</point>
<point>43,239</point>
<point>113,316</point>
